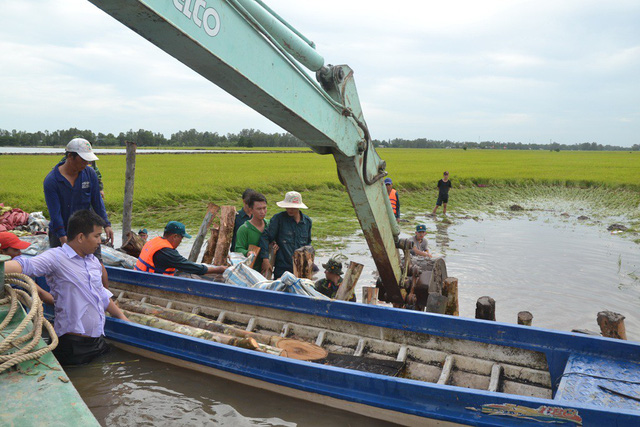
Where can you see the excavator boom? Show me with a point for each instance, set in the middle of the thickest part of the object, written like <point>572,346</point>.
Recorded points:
<point>249,51</point>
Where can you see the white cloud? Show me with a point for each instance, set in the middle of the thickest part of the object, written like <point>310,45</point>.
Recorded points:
<point>520,70</point>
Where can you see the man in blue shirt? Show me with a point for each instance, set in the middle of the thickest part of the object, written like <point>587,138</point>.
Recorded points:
<point>72,186</point>
<point>290,230</point>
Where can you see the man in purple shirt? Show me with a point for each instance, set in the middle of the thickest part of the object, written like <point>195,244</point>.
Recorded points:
<point>74,275</point>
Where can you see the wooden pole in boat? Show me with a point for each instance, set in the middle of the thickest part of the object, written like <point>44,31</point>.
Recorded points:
<point>212,210</point>
<point>612,325</point>
<point>227,221</point>
<point>303,262</point>
<point>525,318</point>
<point>370,295</point>
<point>486,308</point>
<point>450,290</point>
<point>256,250</point>
<point>207,257</point>
<point>272,260</point>
<point>345,291</point>
<point>129,178</point>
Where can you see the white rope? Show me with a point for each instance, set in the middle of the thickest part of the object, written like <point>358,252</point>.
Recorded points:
<point>27,294</point>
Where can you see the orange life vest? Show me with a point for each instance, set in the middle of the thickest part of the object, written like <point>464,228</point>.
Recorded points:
<point>393,198</point>
<point>145,261</point>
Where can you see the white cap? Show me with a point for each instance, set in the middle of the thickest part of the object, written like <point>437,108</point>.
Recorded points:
<point>83,148</point>
<point>292,199</point>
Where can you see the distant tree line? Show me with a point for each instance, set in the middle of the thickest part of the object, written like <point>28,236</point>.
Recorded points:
<point>146,138</point>
<point>494,145</point>
<point>256,138</point>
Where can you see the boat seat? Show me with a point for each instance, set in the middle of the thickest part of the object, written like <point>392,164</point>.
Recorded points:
<point>600,381</point>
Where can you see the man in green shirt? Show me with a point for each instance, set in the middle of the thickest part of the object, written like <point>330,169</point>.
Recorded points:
<point>249,233</point>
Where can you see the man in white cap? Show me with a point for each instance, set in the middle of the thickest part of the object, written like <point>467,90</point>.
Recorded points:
<point>290,230</point>
<point>72,186</point>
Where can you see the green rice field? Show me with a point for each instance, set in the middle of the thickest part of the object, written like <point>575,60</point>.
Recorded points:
<point>178,186</point>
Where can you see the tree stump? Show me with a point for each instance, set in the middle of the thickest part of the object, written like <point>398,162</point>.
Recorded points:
<point>345,291</point>
<point>133,245</point>
<point>212,210</point>
<point>486,308</point>
<point>303,262</point>
<point>450,290</point>
<point>256,250</point>
<point>436,303</point>
<point>370,295</point>
<point>207,257</point>
<point>612,325</point>
<point>525,318</point>
<point>225,236</point>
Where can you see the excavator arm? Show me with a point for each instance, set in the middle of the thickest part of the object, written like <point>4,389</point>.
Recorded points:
<point>249,51</point>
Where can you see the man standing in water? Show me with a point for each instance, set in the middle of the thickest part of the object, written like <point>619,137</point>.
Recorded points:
<point>74,276</point>
<point>443,193</point>
<point>290,230</point>
<point>393,197</point>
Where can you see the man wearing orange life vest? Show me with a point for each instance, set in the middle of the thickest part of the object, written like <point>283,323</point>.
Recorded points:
<point>393,197</point>
<point>159,255</point>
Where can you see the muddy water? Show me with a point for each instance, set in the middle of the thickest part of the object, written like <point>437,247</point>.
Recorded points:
<point>559,268</point>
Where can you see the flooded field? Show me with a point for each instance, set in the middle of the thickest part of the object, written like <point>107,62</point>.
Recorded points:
<point>561,269</point>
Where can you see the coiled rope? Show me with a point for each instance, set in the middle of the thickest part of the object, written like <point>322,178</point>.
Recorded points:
<point>27,294</point>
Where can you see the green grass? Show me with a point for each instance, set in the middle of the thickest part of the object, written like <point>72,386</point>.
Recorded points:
<point>178,186</point>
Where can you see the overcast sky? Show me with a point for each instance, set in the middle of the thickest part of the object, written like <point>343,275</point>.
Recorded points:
<point>531,71</point>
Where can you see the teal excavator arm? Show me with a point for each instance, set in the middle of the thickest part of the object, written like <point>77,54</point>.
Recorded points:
<point>249,51</point>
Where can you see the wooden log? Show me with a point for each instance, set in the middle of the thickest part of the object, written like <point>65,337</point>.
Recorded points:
<point>450,290</point>
<point>227,221</point>
<point>303,262</point>
<point>155,322</point>
<point>525,318</point>
<point>255,250</point>
<point>436,303</point>
<point>212,210</point>
<point>133,245</point>
<point>194,320</point>
<point>486,308</point>
<point>370,295</point>
<point>207,257</point>
<point>345,291</point>
<point>612,325</point>
<point>272,260</point>
<point>129,178</point>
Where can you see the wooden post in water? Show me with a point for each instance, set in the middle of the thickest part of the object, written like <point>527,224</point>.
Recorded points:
<point>227,221</point>
<point>612,325</point>
<point>212,210</point>
<point>525,318</point>
<point>450,290</point>
<point>486,308</point>
<point>129,178</point>
<point>303,262</point>
<point>349,282</point>
<point>370,295</point>
<point>207,258</point>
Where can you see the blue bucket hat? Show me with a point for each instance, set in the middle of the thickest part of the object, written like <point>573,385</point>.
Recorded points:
<point>421,227</point>
<point>175,227</point>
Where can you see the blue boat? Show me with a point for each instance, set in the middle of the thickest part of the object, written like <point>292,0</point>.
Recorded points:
<point>452,371</point>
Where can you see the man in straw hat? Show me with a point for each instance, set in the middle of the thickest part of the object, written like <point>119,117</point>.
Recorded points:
<point>332,279</point>
<point>289,230</point>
